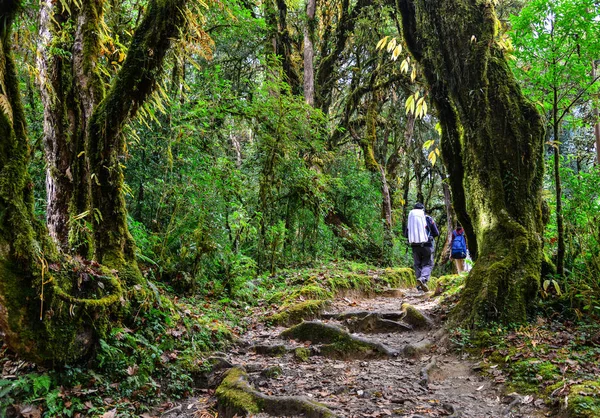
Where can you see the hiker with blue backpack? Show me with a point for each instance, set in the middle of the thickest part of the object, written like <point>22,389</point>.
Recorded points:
<point>421,232</point>
<point>459,248</point>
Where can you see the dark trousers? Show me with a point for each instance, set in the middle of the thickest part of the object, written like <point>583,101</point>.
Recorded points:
<point>423,259</point>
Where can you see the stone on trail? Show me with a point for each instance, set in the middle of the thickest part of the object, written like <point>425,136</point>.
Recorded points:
<point>415,317</point>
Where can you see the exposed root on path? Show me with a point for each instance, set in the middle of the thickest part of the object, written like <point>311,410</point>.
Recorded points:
<point>236,397</point>
<point>372,323</point>
<point>425,371</point>
<point>393,316</point>
<point>337,342</point>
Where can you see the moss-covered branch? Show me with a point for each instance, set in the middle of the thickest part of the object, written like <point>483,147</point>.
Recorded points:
<point>162,23</point>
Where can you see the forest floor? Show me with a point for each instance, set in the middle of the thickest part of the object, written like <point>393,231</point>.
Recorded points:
<point>420,376</point>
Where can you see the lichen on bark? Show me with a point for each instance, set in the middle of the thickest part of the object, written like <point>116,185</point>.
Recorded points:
<point>492,145</point>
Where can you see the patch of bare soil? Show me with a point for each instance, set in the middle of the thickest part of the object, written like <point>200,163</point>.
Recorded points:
<point>418,377</point>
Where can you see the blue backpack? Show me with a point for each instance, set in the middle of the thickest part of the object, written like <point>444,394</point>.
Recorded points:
<point>459,245</point>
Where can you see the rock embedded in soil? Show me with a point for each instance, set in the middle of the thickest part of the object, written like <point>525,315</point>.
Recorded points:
<point>415,318</point>
<point>293,314</point>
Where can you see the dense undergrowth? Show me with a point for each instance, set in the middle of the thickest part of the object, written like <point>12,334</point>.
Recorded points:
<point>160,354</point>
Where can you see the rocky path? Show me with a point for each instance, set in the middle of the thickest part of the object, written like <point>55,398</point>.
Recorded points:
<point>392,362</point>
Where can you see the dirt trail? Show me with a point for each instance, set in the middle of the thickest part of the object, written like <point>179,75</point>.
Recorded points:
<point>423,380</point>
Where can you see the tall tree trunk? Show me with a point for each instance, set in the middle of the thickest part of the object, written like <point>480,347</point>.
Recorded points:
<point>595,65</point>
<point>386,209</point>
<point>309,52</point>
<point>560,254</point>
<point>492,145</point>
<point>450,216</point>
<point>71,87</point>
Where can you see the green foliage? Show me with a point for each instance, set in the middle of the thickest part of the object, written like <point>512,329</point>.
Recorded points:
<point>580,287</point>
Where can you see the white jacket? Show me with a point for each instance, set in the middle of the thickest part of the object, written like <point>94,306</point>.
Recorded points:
<point>417,224</point>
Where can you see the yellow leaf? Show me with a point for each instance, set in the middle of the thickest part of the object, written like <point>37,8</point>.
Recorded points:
<point>432,157</point>
<point>404,66</point>
<point>396,52</point>
<point>424,108</point>
<point>391,45</point>
<point>382,43</point>
<point>410,104</point>
<point>413,74</point>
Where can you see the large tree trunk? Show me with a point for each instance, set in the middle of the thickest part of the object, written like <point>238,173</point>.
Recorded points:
<point>492,145</point>
<point>309,53</point>
<point>41,315</point>
<point>73,308</point>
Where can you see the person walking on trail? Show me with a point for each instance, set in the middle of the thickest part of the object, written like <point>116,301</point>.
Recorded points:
<point>459,248</point>
<point>421,232</point>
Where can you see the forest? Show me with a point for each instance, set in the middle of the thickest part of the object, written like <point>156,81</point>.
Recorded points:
<point>205,208</point>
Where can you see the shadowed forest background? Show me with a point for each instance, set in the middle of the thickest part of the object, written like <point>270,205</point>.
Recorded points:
<point>170,165</point>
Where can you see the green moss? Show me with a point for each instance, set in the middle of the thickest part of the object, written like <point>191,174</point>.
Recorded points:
<point>293,314</point>
<point>232,394</point>
<point>302,353</point>
<point>451,284</point>
<point>399,277</point>
<point>584,400</point>
<point>272,372</point>
<point>346,349</point>
<point>528,375</point>
<point>311,291</point>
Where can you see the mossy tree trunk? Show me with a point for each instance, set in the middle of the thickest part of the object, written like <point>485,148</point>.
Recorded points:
<point>47,314</point>
<point>83,123</point>
<point>71,87</point>
<point>492,145</point>
<point>31,323</point>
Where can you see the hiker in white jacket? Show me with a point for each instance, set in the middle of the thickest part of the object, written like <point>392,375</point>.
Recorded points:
<point>421,241</point>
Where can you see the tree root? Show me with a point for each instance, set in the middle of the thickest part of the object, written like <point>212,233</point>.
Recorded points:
<point>337,342</point>
<point>425,372</point>
<point>372,323</point>
<point>393,316</point>
<point>236,396</point>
